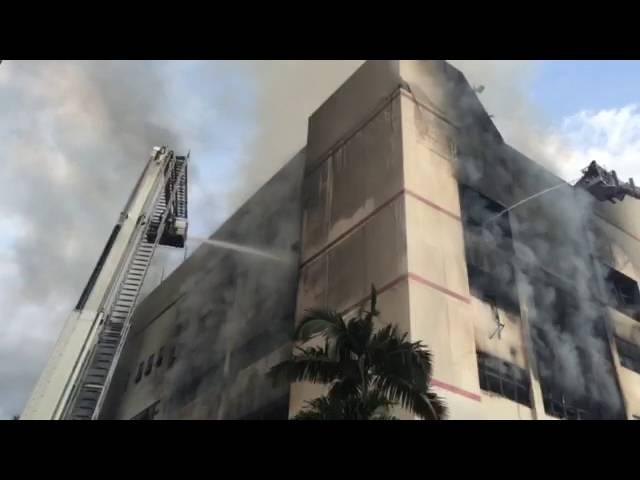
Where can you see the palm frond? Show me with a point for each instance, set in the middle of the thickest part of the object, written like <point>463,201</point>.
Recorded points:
<point>421,402</point>
<point>311,365</point>
<point>346,387</point>
<point>392,354</point>
<point>322,408</point>
<point>320,321</point>
<point>384,416</point>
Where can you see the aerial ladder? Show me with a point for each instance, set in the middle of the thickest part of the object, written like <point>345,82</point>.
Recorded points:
<point>77,376</point>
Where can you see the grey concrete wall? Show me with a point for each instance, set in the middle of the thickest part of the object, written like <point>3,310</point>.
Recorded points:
<point>229,315</point>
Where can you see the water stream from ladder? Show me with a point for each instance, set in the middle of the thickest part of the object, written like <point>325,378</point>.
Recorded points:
<point>531,197</point>
<point>276,256</point>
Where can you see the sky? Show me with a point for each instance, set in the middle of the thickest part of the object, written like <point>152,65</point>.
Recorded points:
<point>74,136</point>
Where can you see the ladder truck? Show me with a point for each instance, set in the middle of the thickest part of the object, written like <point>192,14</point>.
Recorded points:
<point>76,378</point>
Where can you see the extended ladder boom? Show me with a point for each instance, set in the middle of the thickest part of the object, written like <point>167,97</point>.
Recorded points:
<point>80,367</point>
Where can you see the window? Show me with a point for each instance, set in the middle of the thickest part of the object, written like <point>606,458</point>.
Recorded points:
<point>504,379</point>
<point>139,373</point>
<point>629,354</point>
<point>624,293</point>
<point>494,289</point>
<point>178,330</point>
<point>147,370</point>
<point>148,413</point>
<point>277,410</point>
<point>558,407</point>
<point>480,216</point>
<point>126,381</point>
<point>172,356</point>
<point>160,357</point>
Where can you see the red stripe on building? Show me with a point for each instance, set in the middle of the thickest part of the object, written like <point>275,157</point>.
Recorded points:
<point>375,212</point>
<point>432,205</point>
<point>435,286</point>
<point>456,390</point>
<point>384,288</point>
<point>352,229</point>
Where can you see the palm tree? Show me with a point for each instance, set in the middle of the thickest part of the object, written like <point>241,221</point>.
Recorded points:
<point>367,371</point>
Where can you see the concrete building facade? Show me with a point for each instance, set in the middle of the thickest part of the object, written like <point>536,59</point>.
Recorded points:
<point>529,314</point>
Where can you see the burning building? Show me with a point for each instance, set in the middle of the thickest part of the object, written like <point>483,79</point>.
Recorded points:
<point>530,313</point>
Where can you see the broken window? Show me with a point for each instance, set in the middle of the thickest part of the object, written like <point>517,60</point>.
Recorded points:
<point>148,413</point>
<point>160,357</point>
<point>139,373</point>
<point>557,406</point>
<point>496,290</point>
<point>504,379</point>
<point>624,293</point>
<point>147,370</point>
<point>629,354</point>
<point>485,218</point>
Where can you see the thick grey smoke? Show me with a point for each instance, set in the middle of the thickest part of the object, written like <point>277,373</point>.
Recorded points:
<point>74,136</point>
<point>553,242</point>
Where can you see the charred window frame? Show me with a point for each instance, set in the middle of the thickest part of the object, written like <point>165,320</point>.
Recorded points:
<point>126,380</point>
<point>557,406</point>
<point>504,379</point>
<point>160,357</point>
<point>147,370</point>
<point>276,410</point>
<point>480,215</point>
<point>629,354</point>
<point>139,372</point>
<point>173,355</point>
<point>488,288</point>
<point>624,293</point>
<point>178,330</point>
<point>148,413</point>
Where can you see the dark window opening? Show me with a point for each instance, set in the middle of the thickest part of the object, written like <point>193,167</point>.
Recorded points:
<point>139,373</point>
<point>178,330</point>
<point>504,379</point>
<point>126,381</point>
<point>485,218</point>
<point>563,313</point>
<point>629,354</point>
<point>557,406</point>
<point>147,370</point>
<point>277,410</point>
<point>172,356</point>
<point>492,290</point>
<point>624,293</point>
<point>160,357</point>
<point>148,413</point>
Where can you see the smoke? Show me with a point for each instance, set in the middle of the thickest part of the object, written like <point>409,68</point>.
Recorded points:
<point>75,136</point>
<point>552,240</point>
<point>237,307</point>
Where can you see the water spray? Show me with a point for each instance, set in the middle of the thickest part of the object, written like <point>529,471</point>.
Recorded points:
<point>280,256</point>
